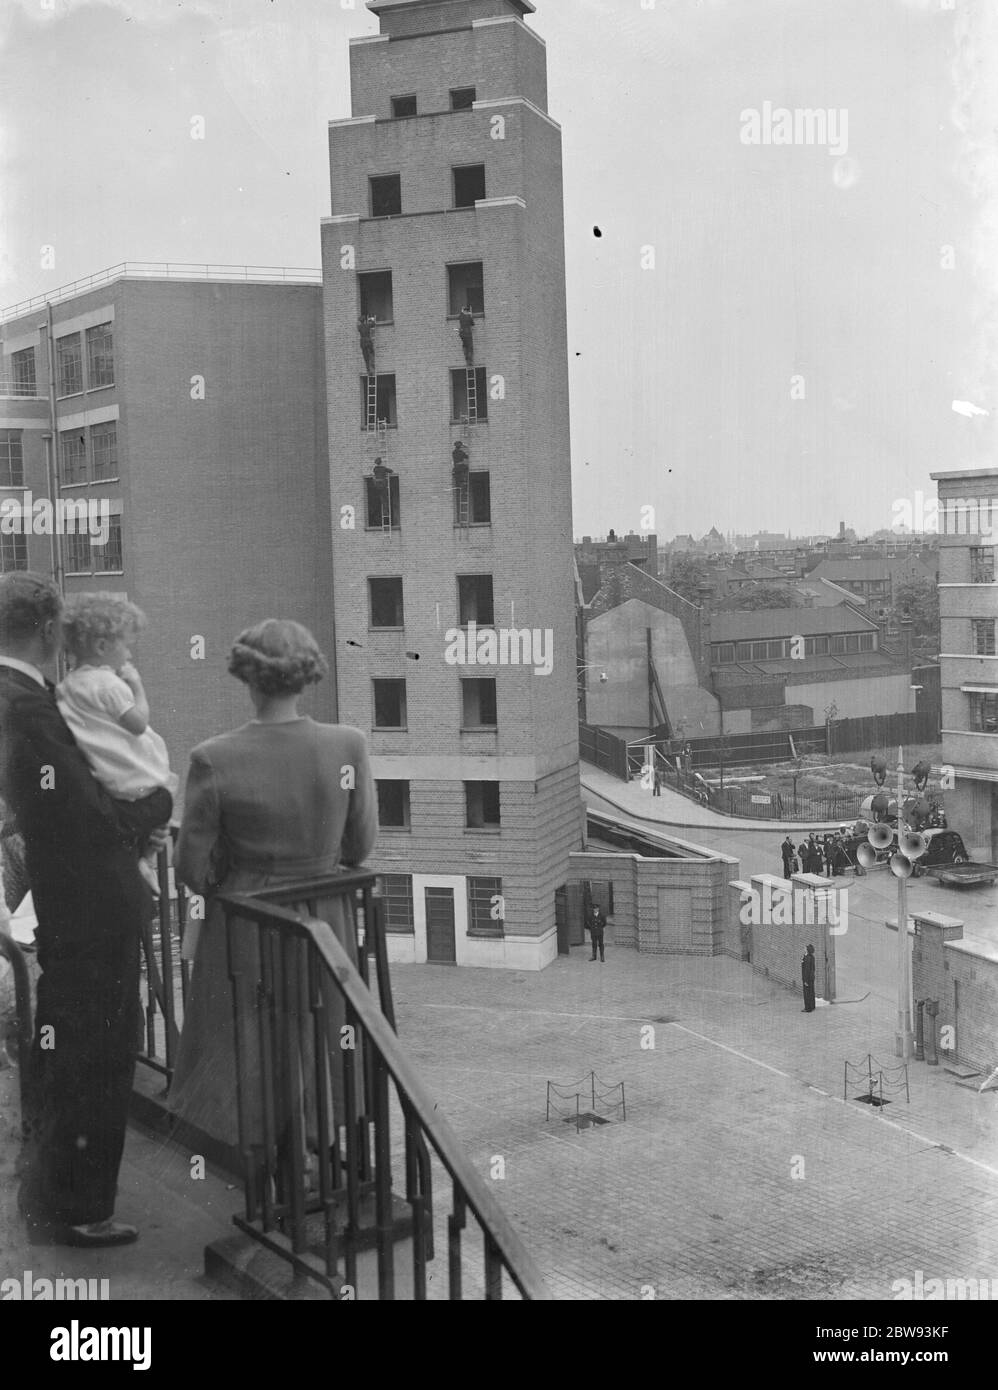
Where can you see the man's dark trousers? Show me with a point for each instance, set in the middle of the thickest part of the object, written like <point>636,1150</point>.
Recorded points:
<point>90,901</point>
<point>596,932</point>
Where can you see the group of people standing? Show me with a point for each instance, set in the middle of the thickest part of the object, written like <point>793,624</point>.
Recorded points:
<point>827,856</point>
<point>86,791</point>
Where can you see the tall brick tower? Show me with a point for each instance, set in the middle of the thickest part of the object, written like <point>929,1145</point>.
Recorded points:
<point>444,287</point>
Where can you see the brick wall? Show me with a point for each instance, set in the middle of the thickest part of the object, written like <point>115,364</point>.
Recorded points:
<point>776,948</point>
<point>963,977</point>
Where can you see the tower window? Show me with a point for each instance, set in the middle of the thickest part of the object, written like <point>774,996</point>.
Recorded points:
<point>478,698</point>
<point>104,442</point>
<point>463,98</point>
<point>393,805</point>
<point>404,106</point>
<point>386,603</point>
<point>396,903</point>
<point>389,704</point>
<point>382,510</point>
<point>100,356</point>
<point>474,600</point>
<point>107,558</point>
<point>460,403</point>
<point>482,805</point>
<point>479,502</point>
<point>384,405</point>
<point>13,553</point>
<point>484,903</point>
<point>78,559</point>
<point>386,195</point>
<point>466,286</point>
<point>376,296</point>
<point>469,185</point>
<point>982,564</point>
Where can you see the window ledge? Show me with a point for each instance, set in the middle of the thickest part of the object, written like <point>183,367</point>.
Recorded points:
<point>481,729</point>
<point>386,629</point>
<point>493,830</point>
<point>394,829</point>
<point>63,486</point>
<point>485,935</point>
<point>71,395</point>
<point>106,386</point>
<point>388,729</point>
<point>96,572</point>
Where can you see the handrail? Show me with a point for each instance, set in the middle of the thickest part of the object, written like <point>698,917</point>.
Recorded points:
<point>503,1247</point>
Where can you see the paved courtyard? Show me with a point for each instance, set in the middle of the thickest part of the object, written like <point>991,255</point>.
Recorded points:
<point>739,1172</point>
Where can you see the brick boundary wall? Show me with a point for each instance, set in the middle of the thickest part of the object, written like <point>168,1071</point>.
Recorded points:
<point>963,976</point>
<point>775,950</point>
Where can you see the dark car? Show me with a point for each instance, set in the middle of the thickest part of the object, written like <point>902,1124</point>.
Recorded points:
<point>944,847</point>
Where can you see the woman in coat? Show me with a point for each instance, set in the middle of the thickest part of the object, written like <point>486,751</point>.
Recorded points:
<point>266,804</point>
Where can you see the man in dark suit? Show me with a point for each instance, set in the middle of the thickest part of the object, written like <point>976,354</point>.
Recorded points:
<point>597,926</point>
<point>89,898</point>
<point>807,980</point>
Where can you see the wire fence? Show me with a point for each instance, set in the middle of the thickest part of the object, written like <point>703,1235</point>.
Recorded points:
<point>596,1093</point>
<point>880,1081</point>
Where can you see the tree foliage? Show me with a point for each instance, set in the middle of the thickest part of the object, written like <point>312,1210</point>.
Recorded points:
<point>754,596</point>
<point>686,576</point>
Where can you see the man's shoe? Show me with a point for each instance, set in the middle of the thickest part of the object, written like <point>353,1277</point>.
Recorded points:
<point>591,959</point>
<point>98,1235</point>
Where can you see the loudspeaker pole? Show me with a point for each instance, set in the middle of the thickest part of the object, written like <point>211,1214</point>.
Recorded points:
<point>904,1039</point>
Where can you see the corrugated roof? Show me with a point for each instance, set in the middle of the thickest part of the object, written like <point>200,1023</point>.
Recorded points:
<point>378,6</point>
<point>769,623</point>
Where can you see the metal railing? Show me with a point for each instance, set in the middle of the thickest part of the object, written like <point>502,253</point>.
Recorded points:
<point>317,1060</point>
<point>20,389</point>
<point>165,270</point>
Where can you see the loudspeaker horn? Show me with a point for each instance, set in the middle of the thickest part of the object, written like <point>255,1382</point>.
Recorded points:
<point>901,866</point>
<point>880,836</point>
<point>913,845</point>
<point>866,856</point>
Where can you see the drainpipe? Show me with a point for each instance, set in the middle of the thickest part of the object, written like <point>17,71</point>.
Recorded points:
<point>52,456</point>
<point>920,1031</point>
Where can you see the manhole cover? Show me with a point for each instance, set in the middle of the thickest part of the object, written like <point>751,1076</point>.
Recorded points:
<point>587,1120</point>
<point>872,1100</point>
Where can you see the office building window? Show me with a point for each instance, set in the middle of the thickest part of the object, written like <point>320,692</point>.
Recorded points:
<point>404,106</point>
<point>466,287</point>
<point>984,636</point>
<point>73,457</point>
<point>475,602</point>
<point>866,643</point>
<point>77,552</point>
<point>69,364</point>
<point>743,651</point>
<point>393,805</point>
<point>396,903</point>
<point>376,295</point>
<point>469,185</point>
<point>486,908</point>
<point>386,603</point>
<point>461,405</point>
<point>384,403</point>
<point>767,651</point>
<point>463,98</point>
<point>22,370</point>
<point>982,564</point>
<point>100,356</point>
<point>984,713</point>
<point>108,558</point>
<point>13,553</point>
<point>11,458</point>
<point>386,195</point>
<point>482,805</point>
<point>473,501</point>
<point>382,507</point>
<point>389,704</point>
<point>104,446</point>
<point>816,646</point>
<point>478,704</point>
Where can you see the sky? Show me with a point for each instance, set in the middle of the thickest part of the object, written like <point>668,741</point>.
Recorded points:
<point>762,336</point>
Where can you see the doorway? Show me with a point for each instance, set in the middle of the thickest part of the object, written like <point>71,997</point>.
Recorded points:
<point>441,941</point>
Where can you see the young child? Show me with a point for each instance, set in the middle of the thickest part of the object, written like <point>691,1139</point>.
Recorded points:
<point>105,706</point>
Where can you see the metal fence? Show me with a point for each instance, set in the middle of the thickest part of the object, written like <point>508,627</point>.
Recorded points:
<point>604,750</point>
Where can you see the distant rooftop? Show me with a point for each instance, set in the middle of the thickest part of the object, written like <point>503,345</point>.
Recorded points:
<point>166,270</point>
<point>381,6</point>
<point>761,623</point>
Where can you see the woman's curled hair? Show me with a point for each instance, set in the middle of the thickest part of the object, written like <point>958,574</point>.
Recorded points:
<point>277,657</point>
